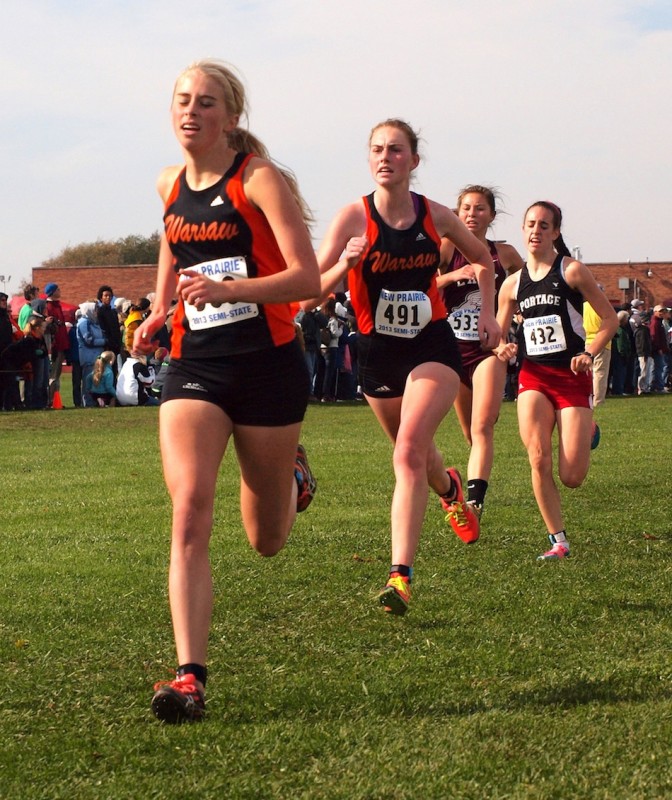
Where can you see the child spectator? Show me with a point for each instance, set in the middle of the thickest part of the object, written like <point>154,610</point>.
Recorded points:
<point>100,382</point>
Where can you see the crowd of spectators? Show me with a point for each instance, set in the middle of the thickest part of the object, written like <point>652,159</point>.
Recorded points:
<point>35,347</point>
<point>328,336</point>
<point>94,341</point>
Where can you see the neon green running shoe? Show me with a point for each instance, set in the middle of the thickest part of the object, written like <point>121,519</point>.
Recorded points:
<point>396,595</point>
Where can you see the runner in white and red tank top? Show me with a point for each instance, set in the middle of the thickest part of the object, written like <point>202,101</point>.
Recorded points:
<point>555,385</point>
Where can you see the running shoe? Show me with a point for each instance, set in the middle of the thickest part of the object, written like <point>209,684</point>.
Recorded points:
<point>305,480</point>
<point>178,701</point>
<point>595,436</point>
<point>558,551</point>
<point>462,517</point>
<point>396,595</point>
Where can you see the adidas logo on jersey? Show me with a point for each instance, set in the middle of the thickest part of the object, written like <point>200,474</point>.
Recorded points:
<point>420,237</point>
<point>194,387</point>
<point>383,389</point>
<point>217,202</point>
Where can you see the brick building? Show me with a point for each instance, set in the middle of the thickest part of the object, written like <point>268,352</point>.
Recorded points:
<point>79,284</point>
<point>630,280</point>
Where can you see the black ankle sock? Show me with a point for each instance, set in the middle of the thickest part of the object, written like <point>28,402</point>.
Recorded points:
<point>403,570</point>
<point>197,670</point>
<point>451,494</point>
<point>476,490</point>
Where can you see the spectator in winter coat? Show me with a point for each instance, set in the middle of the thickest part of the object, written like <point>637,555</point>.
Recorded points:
<point>643,349</point>
<point>621,354</point>
<point>60,341</point>
<point>108,319</point>
<point>312,323</point>
<point>160,363</point>
<point>100,382</point>
<point>27,352</point>
<point>91,340</point>
<point>135,379</point>
<point>135,317</point>
<point>72,359</point>
<point>9,331</point>
<point>659,348</point>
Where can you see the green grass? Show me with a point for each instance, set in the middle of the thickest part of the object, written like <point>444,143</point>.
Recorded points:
<point>506,679</point>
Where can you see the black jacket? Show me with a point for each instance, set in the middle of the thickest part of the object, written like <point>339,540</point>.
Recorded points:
<point>108,320</point>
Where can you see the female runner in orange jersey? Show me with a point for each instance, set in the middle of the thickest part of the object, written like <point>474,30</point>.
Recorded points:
<point>387,245</point>
<point>237,251</point>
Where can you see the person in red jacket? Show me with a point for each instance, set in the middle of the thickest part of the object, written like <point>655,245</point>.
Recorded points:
<point>60,340</point>
<point>659,347</point>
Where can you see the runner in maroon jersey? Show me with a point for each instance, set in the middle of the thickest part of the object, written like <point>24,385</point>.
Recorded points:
<point>479,398</point>
<point>236,249</point>
<point>387,244</point>
<point>555,386</point>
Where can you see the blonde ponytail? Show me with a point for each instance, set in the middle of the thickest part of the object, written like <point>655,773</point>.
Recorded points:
<point>241,139</point>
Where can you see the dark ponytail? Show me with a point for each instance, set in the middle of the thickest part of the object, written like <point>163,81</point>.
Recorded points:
<point>561,248</point>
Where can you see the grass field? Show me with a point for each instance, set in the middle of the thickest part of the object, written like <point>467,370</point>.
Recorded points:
<point>506,679</point>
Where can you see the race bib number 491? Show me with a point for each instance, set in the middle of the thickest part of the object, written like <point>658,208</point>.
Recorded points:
<point>209,315</point>
<point>402,314</point>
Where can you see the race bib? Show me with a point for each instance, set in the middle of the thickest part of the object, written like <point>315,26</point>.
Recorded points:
<point>464,319</point>
<point>209,315</point>
<point>402,314</point>
<point>544,335</point>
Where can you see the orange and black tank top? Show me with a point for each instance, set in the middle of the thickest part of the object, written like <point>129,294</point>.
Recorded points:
<point>393,287</point>
<point>218,232</point>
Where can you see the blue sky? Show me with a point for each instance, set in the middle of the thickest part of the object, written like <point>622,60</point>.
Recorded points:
<point>567,100</point>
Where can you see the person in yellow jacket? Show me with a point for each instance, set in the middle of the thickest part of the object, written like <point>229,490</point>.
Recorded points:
<point>591,324</point>
<point>135,316</point>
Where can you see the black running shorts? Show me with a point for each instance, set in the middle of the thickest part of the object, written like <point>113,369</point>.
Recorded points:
<point>385,362</point>
<point>263,388</point>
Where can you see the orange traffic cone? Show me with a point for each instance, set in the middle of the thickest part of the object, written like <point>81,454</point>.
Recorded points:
<point>57,402</point>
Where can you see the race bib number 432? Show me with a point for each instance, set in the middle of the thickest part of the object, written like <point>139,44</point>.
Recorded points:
<point>209,315</point>
<point>544,335</point>
<point>402,314</point>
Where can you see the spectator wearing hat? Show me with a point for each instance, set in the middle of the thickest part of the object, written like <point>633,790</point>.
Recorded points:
<point>622,354</point>
<point>60,341</point>
<point>91,340</point>
<point>36,391</point>
<point>643,350</point>
<point>659,348</point>
<point>637,305</point>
